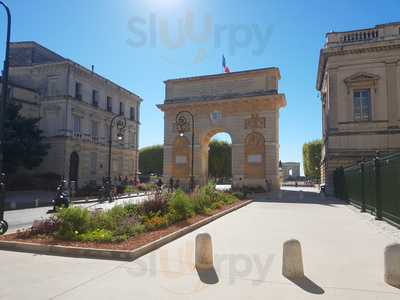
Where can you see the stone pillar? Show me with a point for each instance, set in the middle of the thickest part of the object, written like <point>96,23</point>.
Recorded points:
<point>238,161</point>
<point>292,260</point>
<point>392,265</point>
<point>203,252</point>
<point>391,84</point>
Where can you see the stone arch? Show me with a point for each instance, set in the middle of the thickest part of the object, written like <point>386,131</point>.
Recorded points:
<point>254,155</point>
<point>205,140</point>
<point>181,158</point>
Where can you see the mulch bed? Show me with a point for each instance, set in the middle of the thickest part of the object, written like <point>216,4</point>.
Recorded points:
<point>130,244</point>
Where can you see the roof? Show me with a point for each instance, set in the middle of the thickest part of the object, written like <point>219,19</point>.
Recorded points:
<point>220,75</point>
<point>69,61</point>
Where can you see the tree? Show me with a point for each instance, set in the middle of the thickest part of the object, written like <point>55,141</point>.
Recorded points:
<point>151,160</point>
<point>24,142</point>
<point>219,161</point>
<point>312,159</point>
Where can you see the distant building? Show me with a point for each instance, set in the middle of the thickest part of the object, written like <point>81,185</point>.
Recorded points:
<point>359,82</point>
<point>75,105</point>
<point>290,170</point>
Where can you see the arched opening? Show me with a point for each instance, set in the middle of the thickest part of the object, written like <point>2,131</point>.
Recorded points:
<point>74,167</point>
<point>219,160</point>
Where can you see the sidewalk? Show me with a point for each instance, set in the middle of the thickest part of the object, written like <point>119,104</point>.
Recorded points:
<point>342,249</point>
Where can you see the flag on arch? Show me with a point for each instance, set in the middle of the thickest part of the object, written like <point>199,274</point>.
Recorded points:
<point>226,69</point>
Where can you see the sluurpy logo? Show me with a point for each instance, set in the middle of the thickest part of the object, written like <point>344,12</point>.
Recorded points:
<point>177,273</point>
<point>157,31</point>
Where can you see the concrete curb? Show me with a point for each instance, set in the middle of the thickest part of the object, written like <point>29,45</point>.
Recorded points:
<point>124,255</point>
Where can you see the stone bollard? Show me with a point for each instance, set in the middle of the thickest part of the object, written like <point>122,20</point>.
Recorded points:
<point>204,252</point>
<point>392,265</point>
<point>292,261</point>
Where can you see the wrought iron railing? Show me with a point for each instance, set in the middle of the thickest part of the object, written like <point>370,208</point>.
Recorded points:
<point>372,185</point>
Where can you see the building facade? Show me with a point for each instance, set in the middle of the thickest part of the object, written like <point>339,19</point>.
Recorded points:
<point>75,106</point>
<point>290,170</point>
<point>243,104</point>
<point>359,83</point>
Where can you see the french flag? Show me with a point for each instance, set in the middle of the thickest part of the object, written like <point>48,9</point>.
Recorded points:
<point>226,69</point>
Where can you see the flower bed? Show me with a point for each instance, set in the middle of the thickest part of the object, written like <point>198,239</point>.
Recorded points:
<point>127,227</point>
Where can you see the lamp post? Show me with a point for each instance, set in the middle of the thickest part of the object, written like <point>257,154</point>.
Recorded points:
<point>182,125</point>
<point>4,92</point>
<point>121,124</point>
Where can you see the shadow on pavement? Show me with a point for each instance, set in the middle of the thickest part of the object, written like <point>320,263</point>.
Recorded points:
<point>285,196</point>
<point>208,276</point>
<point>307,285</point>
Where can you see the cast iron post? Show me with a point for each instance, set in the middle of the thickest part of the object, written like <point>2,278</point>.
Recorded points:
<point>4,94</point>
<point>181,124</point>
<point>378,187</point>
<point>363,203</point>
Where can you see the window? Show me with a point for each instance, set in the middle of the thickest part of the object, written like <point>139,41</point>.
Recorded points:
<point>109,104</point>
<point>132,113</point>
<point>77,124</point>
<point>121,108</point>
<point>94,128</point>
<point>95,101</point>
<point>361,105</point>
<point>78,90</point>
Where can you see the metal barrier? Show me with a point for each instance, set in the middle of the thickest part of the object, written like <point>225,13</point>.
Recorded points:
<point>373,186</point>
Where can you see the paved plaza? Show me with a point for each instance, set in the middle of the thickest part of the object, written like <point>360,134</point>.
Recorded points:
<point>342,253</point>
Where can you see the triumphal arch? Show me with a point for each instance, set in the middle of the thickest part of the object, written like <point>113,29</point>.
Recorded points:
<point>243,104</point>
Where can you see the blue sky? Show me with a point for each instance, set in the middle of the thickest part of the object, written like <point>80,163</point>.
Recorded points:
<point>117,37</point>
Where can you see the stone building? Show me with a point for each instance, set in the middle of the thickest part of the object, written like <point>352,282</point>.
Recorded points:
<point>290,170</point>
<point>243,104</point>
<point>359,82</point>
<point>75,106</point>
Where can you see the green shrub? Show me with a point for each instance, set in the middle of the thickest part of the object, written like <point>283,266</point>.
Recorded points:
<point>156,222</point>
<point>239,195</point>
<point>98,235</point>
<point>217,205</point>
<point>227,198</point>
<point>129,227</point>
<point>180,207</point>
<point>72,221</point>
<point>155,204</point>
<point>129,189</point>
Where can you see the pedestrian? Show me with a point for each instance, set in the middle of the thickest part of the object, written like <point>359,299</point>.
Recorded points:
<point>159,184</point>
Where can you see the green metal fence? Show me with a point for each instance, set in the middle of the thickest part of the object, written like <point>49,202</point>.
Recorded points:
<point>374,186</point>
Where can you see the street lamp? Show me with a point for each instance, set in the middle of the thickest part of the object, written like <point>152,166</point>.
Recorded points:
<point>182,125</point>
<point>121,124</point>
<point>4,92</point>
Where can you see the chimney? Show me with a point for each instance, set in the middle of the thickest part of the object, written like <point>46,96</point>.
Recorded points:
<point>92,68</point>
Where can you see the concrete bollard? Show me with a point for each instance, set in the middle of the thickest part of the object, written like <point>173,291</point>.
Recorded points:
<point>392,265</point>
<point>301,195</point>
<point>203,252</point>
<point>292,261</point>
<point>36,202</point>
<point>13,205</point>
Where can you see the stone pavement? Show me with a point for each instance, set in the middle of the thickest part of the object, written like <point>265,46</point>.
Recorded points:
<point>342,249</point>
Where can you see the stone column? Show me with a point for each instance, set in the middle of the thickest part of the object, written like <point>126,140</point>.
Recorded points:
<point>238,161</point>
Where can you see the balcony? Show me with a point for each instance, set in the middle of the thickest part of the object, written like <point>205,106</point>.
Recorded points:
<point>378,33</point>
